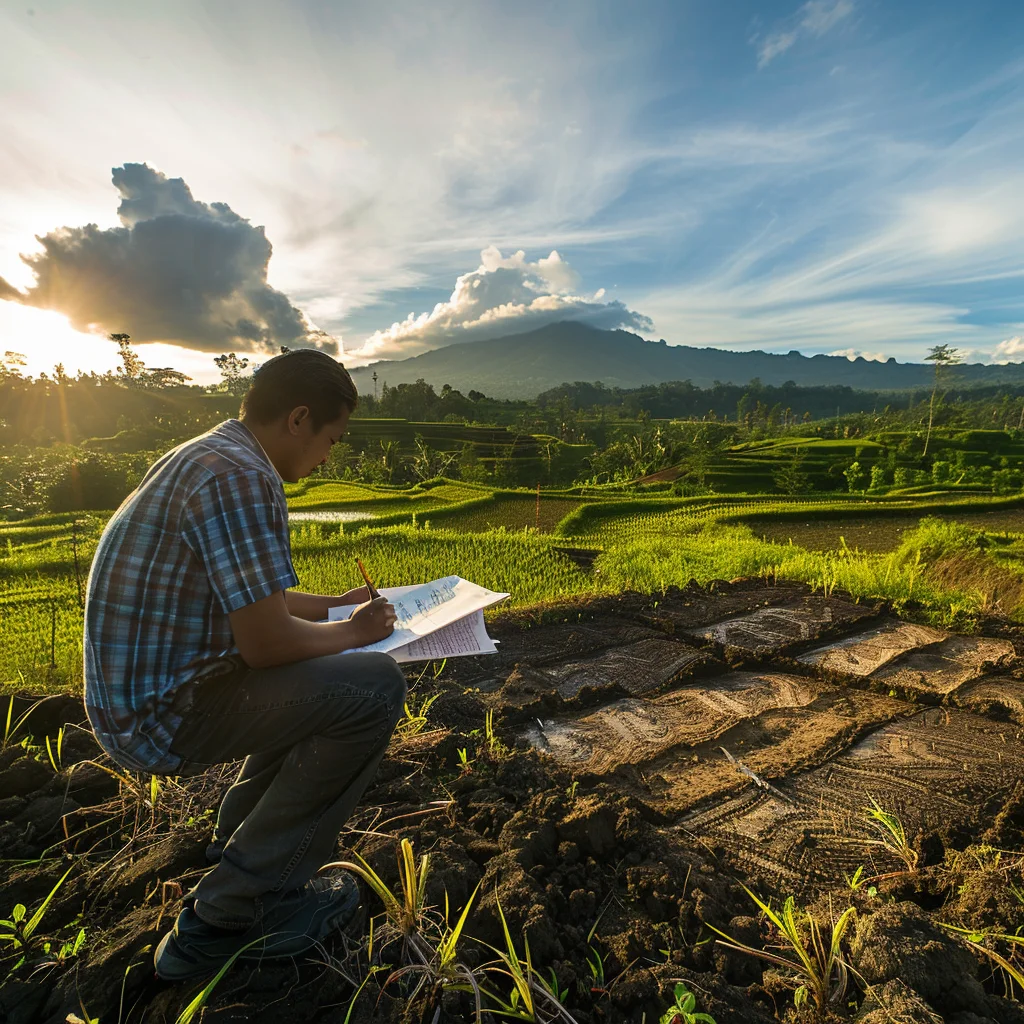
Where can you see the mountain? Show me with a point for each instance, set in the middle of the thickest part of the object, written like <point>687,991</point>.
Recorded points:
<point>523,365</point>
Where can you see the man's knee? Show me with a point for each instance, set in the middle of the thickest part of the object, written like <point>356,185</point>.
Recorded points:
<point>389,681</point>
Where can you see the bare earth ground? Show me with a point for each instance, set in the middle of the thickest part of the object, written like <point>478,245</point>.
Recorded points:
<point>660,753</point>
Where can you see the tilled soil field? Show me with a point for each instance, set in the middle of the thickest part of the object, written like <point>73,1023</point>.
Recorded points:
<point>651,760</point>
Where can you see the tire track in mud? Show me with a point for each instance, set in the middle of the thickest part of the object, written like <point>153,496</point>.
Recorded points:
<point>819,700</point>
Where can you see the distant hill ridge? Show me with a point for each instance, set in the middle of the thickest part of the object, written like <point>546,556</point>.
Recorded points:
<point>523,365</point>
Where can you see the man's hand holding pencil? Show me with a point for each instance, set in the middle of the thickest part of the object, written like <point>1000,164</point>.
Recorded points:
<point>375,619</point>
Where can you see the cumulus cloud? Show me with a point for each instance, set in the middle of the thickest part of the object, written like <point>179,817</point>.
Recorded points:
<point>1009,351</point>
<point>504,295</point>
<point>814,18</point>
<point>178,270</point>
<point>855,353</point>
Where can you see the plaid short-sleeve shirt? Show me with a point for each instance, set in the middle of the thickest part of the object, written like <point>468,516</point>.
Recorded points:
<point>204,534</point>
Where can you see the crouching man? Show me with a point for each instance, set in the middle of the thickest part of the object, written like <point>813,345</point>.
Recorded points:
<point>198,652</point>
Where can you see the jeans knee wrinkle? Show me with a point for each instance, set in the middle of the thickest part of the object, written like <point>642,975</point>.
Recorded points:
<point>380,739</point>
<point>295,702</point>
<point>300,851</point>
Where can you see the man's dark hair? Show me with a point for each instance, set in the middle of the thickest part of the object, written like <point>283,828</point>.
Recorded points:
<point>305,376</point>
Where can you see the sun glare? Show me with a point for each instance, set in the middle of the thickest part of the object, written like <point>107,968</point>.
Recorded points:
<point>46,338</point>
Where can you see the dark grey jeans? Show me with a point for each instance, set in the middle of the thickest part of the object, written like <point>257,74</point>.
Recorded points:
<point>312,734</point>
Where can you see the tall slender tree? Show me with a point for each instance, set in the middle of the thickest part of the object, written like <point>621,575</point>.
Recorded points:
<point>132,368</point>
<point>943,358</point>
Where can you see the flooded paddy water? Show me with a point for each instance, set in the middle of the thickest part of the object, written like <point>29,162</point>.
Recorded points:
<point>329,515</point>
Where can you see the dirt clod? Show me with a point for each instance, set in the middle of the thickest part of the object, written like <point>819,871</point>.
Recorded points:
<point>899,942</point>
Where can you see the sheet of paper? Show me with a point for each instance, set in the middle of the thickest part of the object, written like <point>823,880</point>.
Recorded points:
<point>424,609</point>
<point>467,636</point>
<point>343,611</point>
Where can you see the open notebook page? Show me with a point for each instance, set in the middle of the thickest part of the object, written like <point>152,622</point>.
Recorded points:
<point>443,619</point>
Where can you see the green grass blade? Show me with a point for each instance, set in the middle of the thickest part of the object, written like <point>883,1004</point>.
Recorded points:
<point>33,921</point>
<point>186,1015</point>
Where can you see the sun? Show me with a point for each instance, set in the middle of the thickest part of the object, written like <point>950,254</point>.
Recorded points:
<point>46,338</point>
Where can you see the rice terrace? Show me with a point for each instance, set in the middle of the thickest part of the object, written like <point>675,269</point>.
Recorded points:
<point>710,765</point>
<point>512,512</point>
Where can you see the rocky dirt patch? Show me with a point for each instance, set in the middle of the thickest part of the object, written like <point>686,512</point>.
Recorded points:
<point>649,758</point>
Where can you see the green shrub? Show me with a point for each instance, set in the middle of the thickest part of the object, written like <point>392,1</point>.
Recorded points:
<point>879,477</point>
<point>1005,481</point>
<point>935,538</point>
<point>856,478</point>
<point>92,481</point>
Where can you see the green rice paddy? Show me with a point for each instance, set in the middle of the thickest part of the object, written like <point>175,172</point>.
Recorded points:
<point>492,537</point>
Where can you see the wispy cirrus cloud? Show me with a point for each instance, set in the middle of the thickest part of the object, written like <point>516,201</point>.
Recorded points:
<point>814,18</point>
<point>872,206</point>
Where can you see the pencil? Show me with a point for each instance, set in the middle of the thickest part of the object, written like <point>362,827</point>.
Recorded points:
<point>369,583</point>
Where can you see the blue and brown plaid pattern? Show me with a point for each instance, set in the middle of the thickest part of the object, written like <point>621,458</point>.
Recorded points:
<point>204,534</point>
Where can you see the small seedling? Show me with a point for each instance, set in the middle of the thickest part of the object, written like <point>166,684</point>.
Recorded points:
<point>66,952</point>
<point>495,748</point>
<point>595,963</point>
<point>19,929</point>
<point>188,1014</point>
<point>531,994</point>
<point>819,972</point>
<point>405,910</point>
<point>558,992</point>
<point>55,750</point>
<point>856,880</point>
<point>1013,972</point>
<point>415,719</point>
<point>892,834</point>
<point>374,969</point>
<point>447,948</point>
<point>683,1011</point>
<point>465,761</point>
<point>12,724</point>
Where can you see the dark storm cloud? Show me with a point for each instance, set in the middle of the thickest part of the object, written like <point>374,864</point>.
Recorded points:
<point>178,271</point>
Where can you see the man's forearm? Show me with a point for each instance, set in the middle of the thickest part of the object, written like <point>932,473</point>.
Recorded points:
<point>268,633</point>
<point>301,640</point>
<point>314,607</point>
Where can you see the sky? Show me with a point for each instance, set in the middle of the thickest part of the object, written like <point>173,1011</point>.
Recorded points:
<point>382,178</point>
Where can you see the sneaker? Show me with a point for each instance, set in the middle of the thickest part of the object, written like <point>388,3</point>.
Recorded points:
<point>301,920</point>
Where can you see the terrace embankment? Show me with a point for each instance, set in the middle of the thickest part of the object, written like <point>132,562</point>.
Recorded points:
<point>649,758</point>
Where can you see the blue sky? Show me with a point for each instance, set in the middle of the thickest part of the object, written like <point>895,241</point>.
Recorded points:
<point>832,176</point>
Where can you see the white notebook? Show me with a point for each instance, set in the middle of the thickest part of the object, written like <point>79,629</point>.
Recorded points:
<point>440,619</point>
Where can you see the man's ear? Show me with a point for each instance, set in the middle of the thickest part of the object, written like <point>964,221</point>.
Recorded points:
<point>297,417</point>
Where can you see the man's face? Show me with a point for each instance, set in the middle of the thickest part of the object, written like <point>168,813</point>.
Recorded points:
<point>308,447</point>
